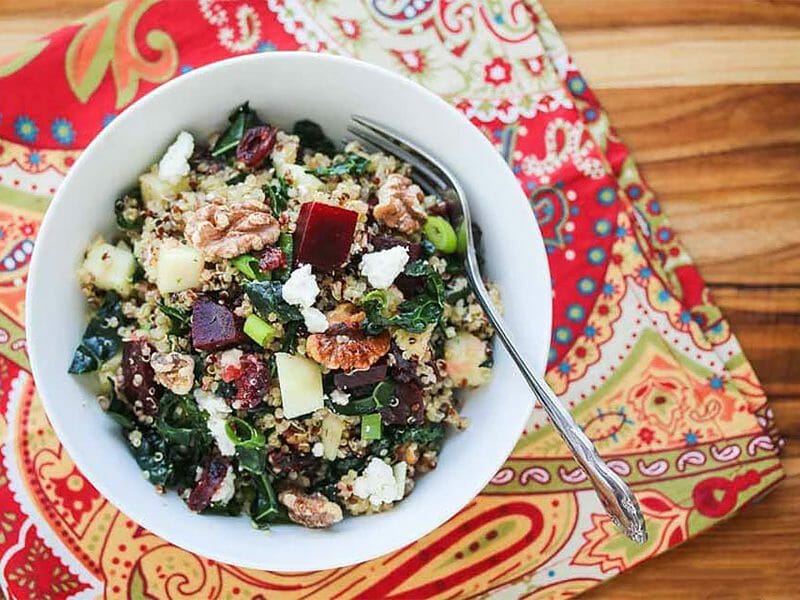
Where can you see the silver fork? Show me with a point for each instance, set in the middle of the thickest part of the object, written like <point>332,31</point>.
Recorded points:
<point>434,178</point>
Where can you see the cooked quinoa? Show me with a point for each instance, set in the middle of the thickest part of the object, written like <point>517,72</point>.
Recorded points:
<point>279,328</point>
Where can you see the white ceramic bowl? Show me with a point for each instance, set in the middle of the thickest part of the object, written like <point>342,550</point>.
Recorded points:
<point>284,87</point>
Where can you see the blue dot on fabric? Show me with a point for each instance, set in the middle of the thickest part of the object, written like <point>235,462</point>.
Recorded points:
<point>607,196</point>
<point>602,227</point>
<point>551,573</point>
<point>575,313</point>
<point>586,285</point>
<point>716,382</point>
<point>596,256</point>
<point>186,68</point>
<point>563,335</point>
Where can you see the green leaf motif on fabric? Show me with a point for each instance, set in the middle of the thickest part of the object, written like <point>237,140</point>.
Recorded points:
<point>14,62</point>
<point>107,40</point>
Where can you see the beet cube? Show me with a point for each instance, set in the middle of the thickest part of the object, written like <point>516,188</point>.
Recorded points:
<point>324,235</point>
<point>358,379</point>
<point>213,326</point>
<point>384,242</point>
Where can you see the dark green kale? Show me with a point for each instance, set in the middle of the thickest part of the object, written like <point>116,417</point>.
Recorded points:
<point>313,138</point>
<point>180,318</point>
<point>100,341</point>
<point>266,298</point>
<point>241,119</point>
<point>152,456</point>
<point>277,191</point>
<point>353,164</point>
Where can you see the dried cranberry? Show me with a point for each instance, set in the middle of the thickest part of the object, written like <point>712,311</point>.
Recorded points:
<point>256,145</point>
<point>286,462</point>
<point>210,481</point>
<point>384,242</point>
<point>407,407</point>
<point>272,258</point>
<point>252,383</point>
<point>403,370</point>
<point>213,326</point>
<point>138,378</point>
<point>358,379</point>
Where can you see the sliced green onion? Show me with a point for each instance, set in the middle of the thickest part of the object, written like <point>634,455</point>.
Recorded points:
<point>441,234</point>
<point>258,330</point>
<point>383,393</point>
<point>461,245</point>
<point>378,296</point>
<point>241,433</point>
<point>371,427</point>
<point>247,265</point>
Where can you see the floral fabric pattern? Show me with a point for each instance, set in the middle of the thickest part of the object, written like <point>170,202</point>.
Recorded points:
<point>640,352</point>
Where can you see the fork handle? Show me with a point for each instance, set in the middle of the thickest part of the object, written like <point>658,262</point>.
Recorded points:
<point>617,498</point>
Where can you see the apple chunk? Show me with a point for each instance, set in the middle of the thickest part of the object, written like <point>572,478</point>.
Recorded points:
<point>301,385</point>
<point>324,235</point>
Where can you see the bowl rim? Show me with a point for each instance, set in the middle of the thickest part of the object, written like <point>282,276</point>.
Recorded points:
<point>376,548</point>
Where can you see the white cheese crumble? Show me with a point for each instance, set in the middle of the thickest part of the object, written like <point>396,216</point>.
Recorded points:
<point>315,319</point>
<point>377,483</point>
<point>226,489</point>
<point>217,411</point>
<point>382,268</point>
<point>339,397</point>
<point>318,449</point>
<point>301,289</point>
<point>174,165</point>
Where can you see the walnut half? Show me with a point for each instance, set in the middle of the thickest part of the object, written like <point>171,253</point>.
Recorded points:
<point>400,204</point>
<point>173,370</point>
<point>344,346</point>
<point>226,230</point>
<point>314,510</point>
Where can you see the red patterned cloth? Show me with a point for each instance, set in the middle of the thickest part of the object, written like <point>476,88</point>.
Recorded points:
<point>640,352</point>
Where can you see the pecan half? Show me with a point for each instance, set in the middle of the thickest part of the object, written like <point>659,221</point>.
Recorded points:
<point>173,370</point>
<point>226,230</point>
<point>313,510</point>
<point>400,204</point>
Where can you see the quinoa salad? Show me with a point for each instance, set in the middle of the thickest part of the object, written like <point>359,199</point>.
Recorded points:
<point>281,328</point>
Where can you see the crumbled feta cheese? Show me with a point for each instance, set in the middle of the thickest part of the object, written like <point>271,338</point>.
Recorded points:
<point>226,489</point>
<point>217,411</point>
<point>230,358</point>
<point>315,319</point>
<point>318,449</point>
<point>339,397</point>
<point>400,470</point>
<point>382,268</point>
<point>301,289</point>
<point>377,483</point>
<point>174,165</point>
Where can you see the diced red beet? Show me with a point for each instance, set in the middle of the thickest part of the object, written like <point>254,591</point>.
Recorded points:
<point>256,144</point>
<point>138,378</point>
<point>324,235</point>
<point>410,285</point>
<point>272,258</point>
<point>214,326</point>
<point>407,407</point>
<point>384,242</point>
<point>210,481</point>
<point>356,379</point>
<point>252,383</point>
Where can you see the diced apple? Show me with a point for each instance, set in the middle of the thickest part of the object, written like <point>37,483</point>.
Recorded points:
<point>297,176</point>
<point>111,267</point>
<point>324,234</point>
<point>178,269</point>
<point>301,385</point>
<point>463,355</point>
<point>331,435</point>
<point>155,189</point>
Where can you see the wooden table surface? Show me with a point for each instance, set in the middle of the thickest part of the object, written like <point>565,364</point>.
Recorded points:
<point>707,93</point>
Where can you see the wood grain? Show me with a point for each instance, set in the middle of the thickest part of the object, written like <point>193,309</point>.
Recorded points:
<point>708,96</point>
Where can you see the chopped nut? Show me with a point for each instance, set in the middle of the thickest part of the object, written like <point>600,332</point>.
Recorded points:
<point>222,230</point>
<point>314,510</point>
<point>175,371</point>
<point>344,346</point>
<point>400,204</point>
